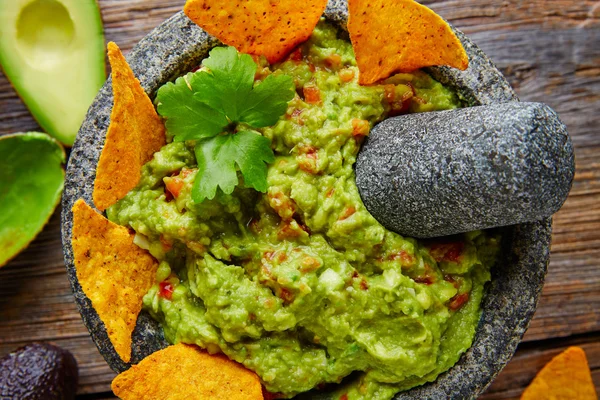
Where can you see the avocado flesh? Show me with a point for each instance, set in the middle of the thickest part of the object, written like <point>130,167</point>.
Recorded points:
<point>52,51</point>
<point>31,183</point>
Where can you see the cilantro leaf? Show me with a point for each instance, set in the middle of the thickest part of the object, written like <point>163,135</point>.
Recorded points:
<point>186,117</point>
<point>208,105</point>
<point>268,101</point>
<point>228,86</point>
<point>218,158</point>
<point>228,83</point>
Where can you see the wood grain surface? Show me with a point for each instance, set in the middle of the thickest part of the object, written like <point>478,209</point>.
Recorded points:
<point>550,52</point>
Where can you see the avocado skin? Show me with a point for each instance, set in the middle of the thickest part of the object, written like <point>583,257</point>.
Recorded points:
<point>38,371</point>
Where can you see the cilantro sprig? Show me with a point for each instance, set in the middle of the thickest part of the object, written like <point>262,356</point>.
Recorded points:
<point>217,106</point>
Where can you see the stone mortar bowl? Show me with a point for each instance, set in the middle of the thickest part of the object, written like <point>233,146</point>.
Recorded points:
<point>177,46</point>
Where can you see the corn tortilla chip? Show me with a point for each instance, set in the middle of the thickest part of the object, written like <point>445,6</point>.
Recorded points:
<point>135,133</point>
<point>113,272</point>
<point>184,372</point>
<point>390,36</point>
<point>566,377</point>
<point>259,27</point>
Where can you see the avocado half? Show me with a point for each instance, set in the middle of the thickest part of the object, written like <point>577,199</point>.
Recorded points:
<point>31,183</point>
<point>52,51</point>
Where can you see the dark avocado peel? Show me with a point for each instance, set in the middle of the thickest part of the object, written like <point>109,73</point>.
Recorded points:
<point>38,371</point>
<point>52,51</point>
<point>31,183</point>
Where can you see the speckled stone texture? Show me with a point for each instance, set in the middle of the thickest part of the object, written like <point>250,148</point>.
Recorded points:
<point>441,173</point>
<point>176,47</point>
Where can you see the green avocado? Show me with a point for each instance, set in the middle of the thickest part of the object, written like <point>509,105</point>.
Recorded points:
<point>52,51</point>
<point>31,182</point>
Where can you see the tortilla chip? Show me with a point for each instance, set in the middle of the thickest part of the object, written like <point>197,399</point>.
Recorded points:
<point>390,36</point>
<point>113,272</point>
<point>259,27</point>
<point>135,133</point>
<point>184,372</point>
<point>566,377</point>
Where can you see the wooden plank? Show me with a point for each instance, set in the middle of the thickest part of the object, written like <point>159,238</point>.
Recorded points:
<point>548,50</point>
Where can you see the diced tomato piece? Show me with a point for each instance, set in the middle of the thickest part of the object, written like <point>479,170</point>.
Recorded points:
<point>309,264</point>
<point>364,285</point>
<point>286,231</point>
<point>174,186</point>
<point>296,55</point>
<point>344,396</point>
<point>346,75</point>
<point>286,295</point>
<point>309,163</point>
<point>447,251</point>
<point>402,256</point>
<point>165,290</point>
<point>333,60</point>
<point>282,204</point>
<point>347,212</point>
<point>312,94</point>
<point>455,252</point>
<point>281,256</point>
<point>458,301</point>
<point>398,105</point>
<point>307,149</point>
<point>362,281</point>
<point>426,280</point>
<point>360,127</point>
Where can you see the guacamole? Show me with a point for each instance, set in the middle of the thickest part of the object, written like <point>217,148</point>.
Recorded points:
<point>301,284</point>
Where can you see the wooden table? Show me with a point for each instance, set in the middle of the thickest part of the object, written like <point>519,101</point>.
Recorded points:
<point>549,50</point>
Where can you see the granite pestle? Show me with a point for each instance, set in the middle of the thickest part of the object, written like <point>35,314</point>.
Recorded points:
<point>442,173</point>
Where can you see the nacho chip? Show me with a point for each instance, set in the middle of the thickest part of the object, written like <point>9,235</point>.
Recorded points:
<point>566,377</point>
<point>113,272</point>
<point>135,133</point>
<point>259,27</point>
<point>187,373</point>
<point>390,36</point>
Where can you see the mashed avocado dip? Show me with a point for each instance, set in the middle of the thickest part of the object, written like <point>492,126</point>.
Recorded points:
<point>301,284</point>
